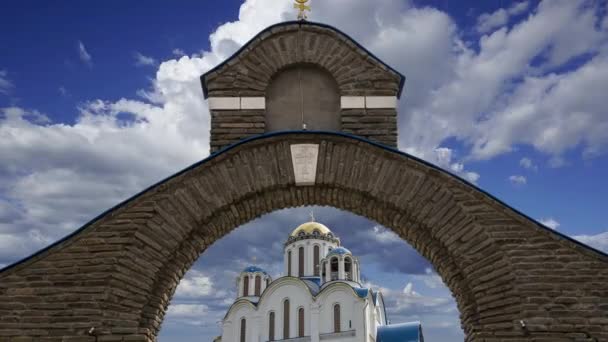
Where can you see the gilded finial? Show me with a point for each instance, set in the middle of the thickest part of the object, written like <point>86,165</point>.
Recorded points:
<point>301,5</point>
<point>312,216</point>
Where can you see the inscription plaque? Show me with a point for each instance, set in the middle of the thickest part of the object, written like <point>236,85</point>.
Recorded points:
<point>304,158</point>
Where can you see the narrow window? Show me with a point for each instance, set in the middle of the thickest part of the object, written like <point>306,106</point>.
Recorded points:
<point>271,327</point>
<point>301,262</point>
<point>286,319</point>
<point>337,318</point>
<point>301,322</point>
<point>267,282</point>
<point>334,269</point>
<point>289,263</point>
<point>258,285</point>
<point>243,329</point>
<point>348,269</point>
<point>323,272</point>
<point>246,286</point>
<point>316,260</point>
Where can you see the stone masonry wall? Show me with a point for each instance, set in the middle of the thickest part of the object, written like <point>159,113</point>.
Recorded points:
<point>249,73</point>
<point>119,273</point>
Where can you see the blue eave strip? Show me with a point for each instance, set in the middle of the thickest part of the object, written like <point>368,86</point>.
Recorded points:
<point>301,23</point>
<point>275,134</point>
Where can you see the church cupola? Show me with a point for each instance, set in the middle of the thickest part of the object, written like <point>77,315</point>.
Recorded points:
<point>306,246</point>
<point>252,282</point>
<point>340,264</point>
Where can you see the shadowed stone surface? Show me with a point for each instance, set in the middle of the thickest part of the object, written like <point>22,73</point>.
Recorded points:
<point>120,271</point>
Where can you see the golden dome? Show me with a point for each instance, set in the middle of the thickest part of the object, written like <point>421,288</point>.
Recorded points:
<point>309,228</point>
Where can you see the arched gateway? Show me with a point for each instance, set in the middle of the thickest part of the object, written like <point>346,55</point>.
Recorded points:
<point>513,279</point>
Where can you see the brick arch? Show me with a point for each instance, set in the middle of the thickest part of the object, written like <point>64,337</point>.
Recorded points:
<point>248,72</point>
<point>120,271</point>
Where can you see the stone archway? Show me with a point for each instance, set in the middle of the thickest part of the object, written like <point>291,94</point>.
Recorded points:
<point>119,272</point>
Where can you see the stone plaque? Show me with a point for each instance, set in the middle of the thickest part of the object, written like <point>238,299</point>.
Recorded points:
<point>304,158</point>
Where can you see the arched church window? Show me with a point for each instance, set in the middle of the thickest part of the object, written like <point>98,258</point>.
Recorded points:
<point>348,268</point>
<point>315,232</point>
<point>243,329</point>
<point>337,318</point>
<point>330,235</point>
<point>323,272</point>
<point>258,285</point>
<point>286,319</point>
<point>301,322</point>
<point>316,253</point>
<point>301,234</point>
<point>301,262</point>
<point>271,327</point>
<point>334,268</point>
<point>246,286</point>
<point>289,263</point>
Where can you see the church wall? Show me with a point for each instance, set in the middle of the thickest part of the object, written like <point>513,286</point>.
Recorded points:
<point>298,296</point>
<point>351,312</point>
<point>308,245</point>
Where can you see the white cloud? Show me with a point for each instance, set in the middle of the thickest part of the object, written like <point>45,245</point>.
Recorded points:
<point>408,290</point>
<point>63,91</point>
<point>528,164</point>
<point>178,52</point>
<point>84,55</point>
<point>5,84</point>
<point>489,21</point>
<point>518,180</point>
<point>550,222</point>
<point>194,285</point>
<point>599,241</point>
<point>384,235</point>
<point>141,60</point>
<point>443,157</point>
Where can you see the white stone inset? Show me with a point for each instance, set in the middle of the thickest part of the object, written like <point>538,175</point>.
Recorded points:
<point>304,158</point>
<point>351,102</point>
<point>253,103</point>
<point>377,102</point>
<point>224,103</point>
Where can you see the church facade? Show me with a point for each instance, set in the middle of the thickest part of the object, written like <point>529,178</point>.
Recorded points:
<point>319,298</point>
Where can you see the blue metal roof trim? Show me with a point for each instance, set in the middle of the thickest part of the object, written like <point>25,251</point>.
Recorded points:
<point>404,332</point>
<point>339,251</point>
<point>253,269</point>
<point>314,287</point>
<point>274,134</point>
<point>316,280</point>
<point>361,292</point>
<point>311,23</point>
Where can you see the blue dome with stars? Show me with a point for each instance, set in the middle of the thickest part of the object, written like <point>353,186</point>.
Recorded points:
<point>254,269</point>
<point>339,251</point>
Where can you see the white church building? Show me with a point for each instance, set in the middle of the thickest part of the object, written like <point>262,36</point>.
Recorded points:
<point>320,298</point>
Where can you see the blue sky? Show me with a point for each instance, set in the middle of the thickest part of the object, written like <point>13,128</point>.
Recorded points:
<point>99,100</point>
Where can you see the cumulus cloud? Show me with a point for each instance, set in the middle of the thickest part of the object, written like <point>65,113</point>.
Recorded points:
<point>489,21</point>
<point>84,55</point>
<point>518,180</point>
<point>598,241</point>
<point>141,60</point>
<point>5,84</point>
<point>550,222</point>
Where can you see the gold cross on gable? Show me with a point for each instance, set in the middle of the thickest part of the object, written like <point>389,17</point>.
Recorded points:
<point>301,5</point>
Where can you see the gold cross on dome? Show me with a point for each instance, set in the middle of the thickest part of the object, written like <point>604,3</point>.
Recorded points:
<point>312,216</point>
<point>301,5</point>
